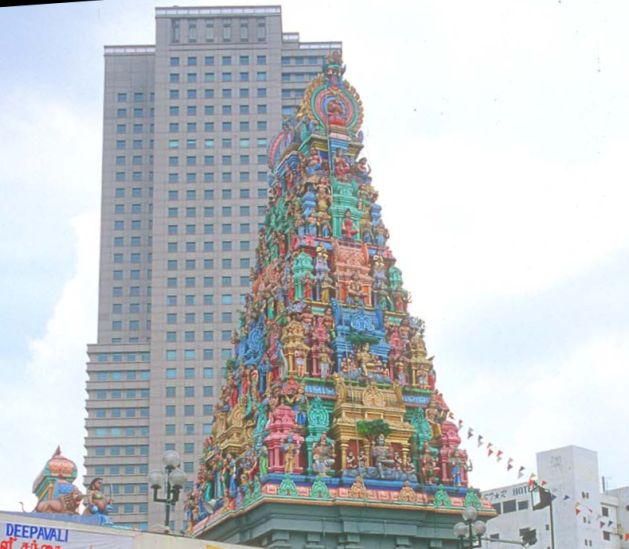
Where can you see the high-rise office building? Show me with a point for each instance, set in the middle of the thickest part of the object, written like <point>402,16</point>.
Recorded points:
<point>184,188</point>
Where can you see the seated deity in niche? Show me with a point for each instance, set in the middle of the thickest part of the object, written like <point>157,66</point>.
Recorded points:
<point>382,456</point>
<point>354,291</point>
<point>323,455</point>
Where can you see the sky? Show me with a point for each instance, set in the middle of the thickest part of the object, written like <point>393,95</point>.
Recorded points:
<point>497,133</point>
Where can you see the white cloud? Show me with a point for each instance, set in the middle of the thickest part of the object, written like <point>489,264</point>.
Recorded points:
<point>580,400</point>
<point>45,408</point>
<point>471,222</point>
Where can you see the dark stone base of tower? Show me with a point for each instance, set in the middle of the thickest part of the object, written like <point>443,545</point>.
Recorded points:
<point>291,525</point>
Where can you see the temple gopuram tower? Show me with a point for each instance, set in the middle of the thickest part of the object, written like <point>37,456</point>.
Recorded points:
<point>329,431</point>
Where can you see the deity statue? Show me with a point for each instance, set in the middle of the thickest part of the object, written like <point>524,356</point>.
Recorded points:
<point>351,462</point>
<point>379,272</point>
<point>434,417</point>
<point>308,202</point>
<point>334,111</point>
<point>323,455</point>
<point>313,161</point>
<point>340,387</point>
<point>362,460</point>
<point>300,406</point>
<point>324,229</point>
<point>354,290</point>
<point>341,166</point>
<point>263,460</point>
<point>382,455</point>
<point>290,450</point>
<point>320,332</point>
<point>323,198</point>
<point>428,466</point>
<point>326,289</point>
<point>401,374</point>
<point>381,234</point>
<point>54,489</point>
<point>321,269</point>
<point>348,226</point>
<point>95,501</point>
<point>364,359</point>
<point>366,235</point>
<point>362,170</point>
<point>324,363</point>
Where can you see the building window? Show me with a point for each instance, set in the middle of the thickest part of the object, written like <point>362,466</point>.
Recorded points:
<point>227,34</point>
<point>509,506</point>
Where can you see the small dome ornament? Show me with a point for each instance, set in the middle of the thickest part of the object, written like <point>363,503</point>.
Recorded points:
<point>331,102</point>
<point>60,466</point>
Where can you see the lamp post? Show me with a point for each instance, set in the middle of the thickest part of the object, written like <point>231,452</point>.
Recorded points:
<point>174,479</point>
<point>470,531</point>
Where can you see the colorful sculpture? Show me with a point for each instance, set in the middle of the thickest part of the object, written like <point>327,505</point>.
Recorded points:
<point>330,384</point>
<point>96,503</point>
<point>54,486</point>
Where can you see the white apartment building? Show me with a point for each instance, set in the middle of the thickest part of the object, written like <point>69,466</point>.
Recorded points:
<point>583,515</point>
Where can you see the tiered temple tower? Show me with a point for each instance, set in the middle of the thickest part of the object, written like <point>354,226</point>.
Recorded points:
<point>330,431</point>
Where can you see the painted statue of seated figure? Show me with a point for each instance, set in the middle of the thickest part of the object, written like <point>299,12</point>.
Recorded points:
<point>382,457</point>
<point>313,162</point>
<point>379,373</point>
<point>323,456</point>
<point>354,291</point>
<point>408,471</point>
<point>349,369</point>
<point>334,110</point>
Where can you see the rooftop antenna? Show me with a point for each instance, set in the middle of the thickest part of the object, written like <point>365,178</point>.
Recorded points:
<point>605,483</point>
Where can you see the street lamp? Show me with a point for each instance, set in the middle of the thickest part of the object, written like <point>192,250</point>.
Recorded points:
<point>469,531</point>
<point>175,480</point>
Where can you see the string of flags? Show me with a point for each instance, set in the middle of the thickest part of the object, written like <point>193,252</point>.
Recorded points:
<point>510,464</point>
